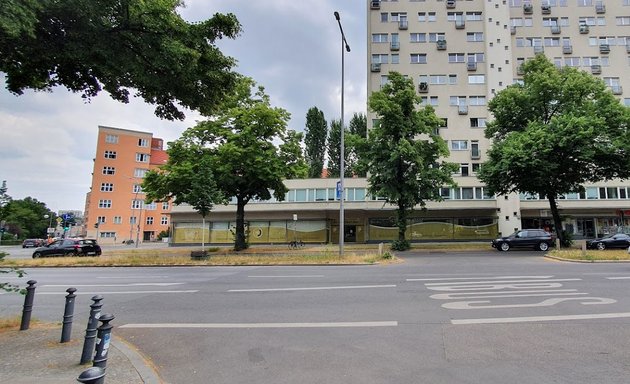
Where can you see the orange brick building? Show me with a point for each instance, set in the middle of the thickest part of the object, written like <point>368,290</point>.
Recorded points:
<point>116,200</point>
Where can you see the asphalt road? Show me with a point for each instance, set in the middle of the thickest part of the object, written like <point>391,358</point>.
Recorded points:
<point>484,317</point>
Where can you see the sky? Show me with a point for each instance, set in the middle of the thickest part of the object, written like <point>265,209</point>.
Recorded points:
<point>291,47</point>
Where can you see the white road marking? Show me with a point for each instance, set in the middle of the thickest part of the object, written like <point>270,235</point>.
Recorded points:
<point>619,278</point>
<point>133,277</point>
<point>448,296</point>
<point>545,303</point>
<point>115,285</point>
<point>266,325</point>
<point>499,281</point>
<point>477,278</point>
<point>312,288</point>
<point>115,293</point>
<point>498,320</point>
<point>283,276</point>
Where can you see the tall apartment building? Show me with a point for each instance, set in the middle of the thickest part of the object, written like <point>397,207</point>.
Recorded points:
<point>116,200</point>
<point>459,54</point>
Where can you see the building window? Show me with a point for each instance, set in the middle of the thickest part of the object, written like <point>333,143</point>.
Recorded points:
<point>476,79</point>
<point>139,172</point>
<point>418,58</point>
<point>107,187</point>
<point>379,59</point>
<point>418,37</point>
<point>477,100</point>
<point>136,204</point>
<point>459,145</point>
<point>149,220</point>
<point>474,36</point>
<point>463,170</point>
<point>165,205</point>
<point>457,100</point>
<point>456,58</point>
<point>477,122</point>
<point>100,219</point>
<point>474,16</point>
<point>474,150</point>
<point>112,139</point>
<point>380,37</point>
<point>142,157</point>
<point>107,234</point>
<point>151,206</point>
<point>117,220</point>
<point>434,37</point>
<point>475,167</point>
<point>104,203</point>
<point>137,188</point>
<point>109,170</point>
<point>395,58</point>
<point>133,220</point>
<point>164,220</point>
<point>110,154</point>
<point>143,142</point>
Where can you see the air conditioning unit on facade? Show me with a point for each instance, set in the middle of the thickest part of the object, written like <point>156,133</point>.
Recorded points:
<point>450,4</point>
<point>604,48</point>
<point>423,87</point>
<point>528,8</point>
<point>596,69</point>
<point>567,49</point>
<point>375,67</point>
<point>546,9</point>
<point>375,4</point>
<point>441,45</point>
<point>471,66</point>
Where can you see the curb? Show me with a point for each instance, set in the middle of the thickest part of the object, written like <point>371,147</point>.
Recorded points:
<point>585,261</point>
<point>142,365</point>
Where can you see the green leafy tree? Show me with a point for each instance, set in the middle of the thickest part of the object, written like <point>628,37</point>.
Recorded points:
<point>357,132</point>
<point>557,130</point>
<point>402,155</point>
<point>315,141</point>
<point>186,178</point>
<point>249,150</point>
<point>334,149</point>
<point>26,218</point>
<point>117,46</point>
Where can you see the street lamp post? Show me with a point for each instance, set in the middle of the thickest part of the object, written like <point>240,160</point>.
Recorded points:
<point>49,225</point>
<point>344,47</point>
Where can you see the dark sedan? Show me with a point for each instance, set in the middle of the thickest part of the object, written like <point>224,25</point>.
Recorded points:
<point>69,247</point>
<point>526,238</point>
<point>618,240</point>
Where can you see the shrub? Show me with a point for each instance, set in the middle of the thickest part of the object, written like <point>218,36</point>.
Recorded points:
<point>401,245</point>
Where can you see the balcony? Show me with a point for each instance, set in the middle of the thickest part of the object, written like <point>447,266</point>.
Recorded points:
<point>375,67</point>
<point>604,48</point>
<point>513,30</point>
<point>567,49</point>
<point>616,89</point>
<point>584,28</point>
<point>450,4</point>
<point>600,8</point>
<point>394,45</point>
<point>596,69</point>
<point>375,4</point>
<point>462,109</point>
<point>471,66</point>
<point>555,29</point>
<point>423,87</point>
<point>546,9</point>
<point>528,8</point>
<point>460,24</point>
<point>441,45</point>
<point>403,24</point>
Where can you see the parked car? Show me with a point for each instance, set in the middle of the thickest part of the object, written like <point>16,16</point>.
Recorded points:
<point>525,238</point>
<point>69,247</point>
<point>33,243</point>
<point>618,240</point>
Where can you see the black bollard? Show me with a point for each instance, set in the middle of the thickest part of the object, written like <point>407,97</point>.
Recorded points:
<point>28,305</point>
<point>93,375</point>
<point>68,313</point>
<point>90,332</point>
<point>103,338</point>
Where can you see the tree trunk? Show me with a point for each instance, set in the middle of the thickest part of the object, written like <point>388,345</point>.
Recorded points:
<point>239,240</point>
<point>401,221</point>
<point>557,222</point>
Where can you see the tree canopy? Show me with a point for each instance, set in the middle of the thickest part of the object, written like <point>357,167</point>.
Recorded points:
<point>357,132</point>
<point>315,141</point>
<point>119,46</point>
<point>402,154</point>
<point>247,148</point>
<point>555,131</point>
<point>334,149</point>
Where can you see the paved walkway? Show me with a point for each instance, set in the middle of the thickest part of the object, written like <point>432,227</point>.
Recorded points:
<point>36,356</point>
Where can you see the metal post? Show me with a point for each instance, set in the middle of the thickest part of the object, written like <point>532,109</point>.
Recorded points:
<point>103,338</point>
<point>68,314</point>
<point>90,332</point>
<point>28,305</point>
<point>344,45</point>
<point>93,375</point>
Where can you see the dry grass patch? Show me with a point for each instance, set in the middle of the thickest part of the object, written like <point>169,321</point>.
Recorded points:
<point>13,323</point>
<point>591,255</point>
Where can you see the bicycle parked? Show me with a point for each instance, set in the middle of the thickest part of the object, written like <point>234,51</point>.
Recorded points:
<point>295,244</point>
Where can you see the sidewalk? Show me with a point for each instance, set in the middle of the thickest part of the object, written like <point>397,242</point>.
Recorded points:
<point>36,356</point>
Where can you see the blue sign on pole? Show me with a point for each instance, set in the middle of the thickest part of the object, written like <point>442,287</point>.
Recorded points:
<point>339,190</point>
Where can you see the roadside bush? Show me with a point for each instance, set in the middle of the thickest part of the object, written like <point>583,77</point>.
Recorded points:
<point>400,245</point>
<point>567,239</point>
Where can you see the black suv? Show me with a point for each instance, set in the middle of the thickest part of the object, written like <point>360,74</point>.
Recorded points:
<point>525,238</point>
<point>69,247</point>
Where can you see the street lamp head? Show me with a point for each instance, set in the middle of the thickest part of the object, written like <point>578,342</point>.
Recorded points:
<point>347,47</point>
<point>46,216</point>
<point>337,16</point>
